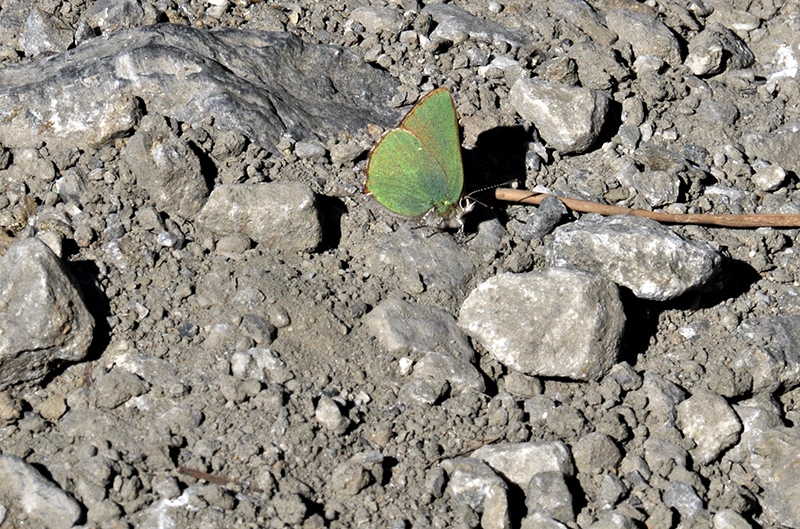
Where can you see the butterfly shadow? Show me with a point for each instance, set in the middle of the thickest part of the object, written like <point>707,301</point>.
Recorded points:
<point>497,159</point>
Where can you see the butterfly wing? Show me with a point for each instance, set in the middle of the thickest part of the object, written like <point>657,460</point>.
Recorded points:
<point>404,175</point>
<point>435,123</point>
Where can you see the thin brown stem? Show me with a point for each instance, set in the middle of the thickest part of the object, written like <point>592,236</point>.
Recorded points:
<point>584,206</point>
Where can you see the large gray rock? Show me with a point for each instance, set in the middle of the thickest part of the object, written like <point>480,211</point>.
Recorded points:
<point>641,254</point>
<point>43,319</point>
<point>258,84</point>
<point>709,421</point>
<point>519,462</point>
<point>715,49</point>
<point>568,118</point>
<point>474,484</point>
<point>279,214</point>
<point>562,322</point>
<point>23,488</point>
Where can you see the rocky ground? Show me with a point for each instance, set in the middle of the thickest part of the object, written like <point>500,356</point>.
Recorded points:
<point>205,322</point>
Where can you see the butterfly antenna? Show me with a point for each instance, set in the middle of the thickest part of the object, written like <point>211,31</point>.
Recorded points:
<point>469,196</point>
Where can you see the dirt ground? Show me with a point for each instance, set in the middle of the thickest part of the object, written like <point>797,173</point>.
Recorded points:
<point>243,383</point>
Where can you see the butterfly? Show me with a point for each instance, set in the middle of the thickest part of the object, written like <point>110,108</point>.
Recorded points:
<point>416,170</point>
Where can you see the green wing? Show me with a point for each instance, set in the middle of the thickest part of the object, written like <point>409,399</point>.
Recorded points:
<point>434,121</point>
<point>405,176</point>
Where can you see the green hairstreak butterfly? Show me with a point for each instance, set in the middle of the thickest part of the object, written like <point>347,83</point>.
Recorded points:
<point>415,170</point>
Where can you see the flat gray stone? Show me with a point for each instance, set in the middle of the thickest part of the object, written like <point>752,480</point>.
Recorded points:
<point>547,494</point>
<point>401,326</point>
<point>453,21</point>
<point>519,462</point>
<point>640,254</point>
<point>779,146</point>
<point>166,167</point>
<point>645,34</point>
<point>568,118</point>
<point>474,484</point>
<point>259,84</point>
<point>43,319</point>
<point>459,374</point>
<point>278,214</point>
<point>561,322</point>
<point>377,19</point>
<point>420,263</point>
<point>45,503</point>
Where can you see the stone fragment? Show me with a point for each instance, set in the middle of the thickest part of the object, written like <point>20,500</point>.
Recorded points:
<point>453,21</point>
<point>768,177</point>
<point>377,19</point>
<point>568,118</point>
<point>306,150</point>
<point>774,458</point>
<point>683,498</point>
<point>709,421</point>
<point>640,254</point>
<point>283,215</point>
<point>474,484</point>
<point>730,519</point>
<point>547,494</point>
<point>45,504</point>
<point>420,263</point>
<point>596,453</point>
<point>519,462</point>
<point>330,415</point>
<point>43,319</point>
<point>426,391</point>
<point>44,33</point>
<point>583,15</point>
<point>401,326</point>
<point>613,520</point>
<point>235,77</point>
<point>779,146</point>
<point>166,167</point>
<point>646,35</point>
<point>716,49</point>
<point>460,375</point>
<point>560,322</point>
<point>765,355</point>
<point>106,16</point>
<point>115,388</point>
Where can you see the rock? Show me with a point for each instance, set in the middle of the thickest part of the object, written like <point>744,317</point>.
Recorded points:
<point>543,219</point>
<point>640,254</point>
<point>43,319</point>
<point>306,150</point>
<point>583,15</point>
<point>106,16</point>
<point>237,80</point>
<point>115,388</point>
<point>44,33</point>
<point>730,519</point>
<point>437,261</point>
<point>45,503</point>
<point>540,521</point>
<point>283,215</point>
<point>683,498</point>
<point>613,520</point>
<point>663,398</point>
<point>166,167</point>
<point>779,146</point>
<point>353,475</point>
<point>596,453</point>
<point>599,67</point>
<point>646,35</point>
<point>758,415</point>
<point>427,391</point>
<point>377,19</point>
<point>460,375</point>
<point>659,188</point>
<point>453,21</point>
<point>330,415</point>
<point>768,177</point>
<point>401,326</point>
<point>708,420</point>
<point>560,322</point>
<point>519,462</point>
<point>766,351</point>
<point>662,456</point>
<point>548,494</point>
<point>716,49</point>
<point>258,363</point>
<point>568,118</point>
<point>774,459</point>
<point>474,484</point>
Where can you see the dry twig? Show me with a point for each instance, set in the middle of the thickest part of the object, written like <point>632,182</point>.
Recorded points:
<point>584,206</point>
